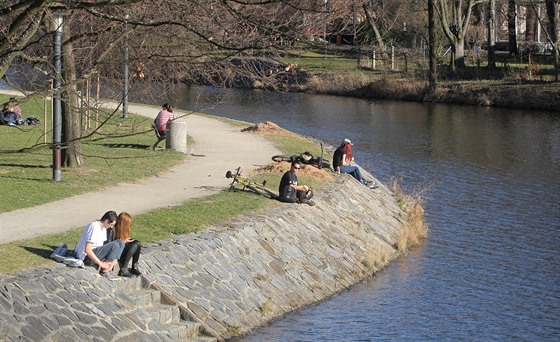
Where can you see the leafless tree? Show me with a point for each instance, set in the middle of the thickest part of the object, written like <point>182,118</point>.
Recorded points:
<point>512,26</point>
<point>553,31</point>
<point>491,36</point>
<point>455,16</point>
<point>432,44</point>
<point>217,41</point>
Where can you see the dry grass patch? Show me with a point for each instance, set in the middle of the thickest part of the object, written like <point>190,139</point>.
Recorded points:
<point>374,259</point>
<point>414,228</point>
<point>306,171</point>
<point>268,127</point>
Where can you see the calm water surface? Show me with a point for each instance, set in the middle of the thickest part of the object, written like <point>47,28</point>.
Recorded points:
<point>490,269</point>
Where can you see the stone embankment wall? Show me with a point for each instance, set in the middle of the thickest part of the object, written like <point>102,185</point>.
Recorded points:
<point>226,281</point>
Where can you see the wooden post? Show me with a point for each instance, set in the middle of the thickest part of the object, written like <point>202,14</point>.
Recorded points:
<point>97,101</point>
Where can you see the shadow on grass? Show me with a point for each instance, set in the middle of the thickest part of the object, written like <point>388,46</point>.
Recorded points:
<point>42,252</point>
<point>137,146</point>
<point>27,166</point>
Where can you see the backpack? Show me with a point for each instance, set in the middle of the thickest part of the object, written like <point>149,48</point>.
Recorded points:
<point>62,254</point>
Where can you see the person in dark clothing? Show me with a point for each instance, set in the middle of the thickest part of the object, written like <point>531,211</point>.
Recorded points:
<point>131,249</point>
<point>342,164</point>
<point>290,191</point>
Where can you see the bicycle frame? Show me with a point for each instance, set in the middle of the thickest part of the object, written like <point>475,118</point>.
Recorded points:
<point>255,187</point>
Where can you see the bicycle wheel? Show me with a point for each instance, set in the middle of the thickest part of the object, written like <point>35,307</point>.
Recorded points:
<point>263,192</point>
<point>229,174</point>
<point>281,158</point>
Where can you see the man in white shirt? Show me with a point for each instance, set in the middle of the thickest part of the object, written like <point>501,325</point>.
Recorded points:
<point>91,249</point>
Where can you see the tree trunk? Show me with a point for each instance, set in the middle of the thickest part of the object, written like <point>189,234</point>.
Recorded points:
<point>553,13</point>
<point>459,52</point>
<point>512,27</point>
<point>71,130</point>
<point>455,20</point>
<point>530,24</point>
<point>432,78</point>
<point>368,9</point>
<point>491,34</point>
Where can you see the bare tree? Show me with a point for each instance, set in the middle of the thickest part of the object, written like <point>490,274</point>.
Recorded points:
<point>491,38</point>
<point>553,31</point>
<point>370,9</point>
<point>455,16</point>
<point>431,39</point>
<point>512,27</point>
<point>215,41</point>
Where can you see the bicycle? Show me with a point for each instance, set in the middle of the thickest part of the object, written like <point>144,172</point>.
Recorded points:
<point>257,188</point>
<point>305,158</point>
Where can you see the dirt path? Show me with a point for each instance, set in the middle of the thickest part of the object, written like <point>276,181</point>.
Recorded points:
<point>218,147</point>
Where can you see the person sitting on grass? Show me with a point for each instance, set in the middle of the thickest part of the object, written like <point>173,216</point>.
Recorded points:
<point>131,249</point>
<point>91,248</point>
<point>11,113</point>
<point>342,164</point>
<point>290,191</point>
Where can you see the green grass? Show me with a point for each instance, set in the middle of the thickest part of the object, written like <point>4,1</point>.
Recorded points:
<point>157,225</point>
<point>119,153</point>
<point>290,145</point>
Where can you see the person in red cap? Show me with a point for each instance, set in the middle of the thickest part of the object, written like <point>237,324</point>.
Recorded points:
<point>342,163</point>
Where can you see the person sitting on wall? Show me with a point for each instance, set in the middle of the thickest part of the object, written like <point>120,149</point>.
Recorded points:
<point>132,247</point>
<point>342,164</point>
<point>91,248</point>
<point>160,123</point>
<point>290,191</point>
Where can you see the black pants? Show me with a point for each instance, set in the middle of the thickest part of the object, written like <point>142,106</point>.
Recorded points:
<point>301,196</point>
<point>131,251</point>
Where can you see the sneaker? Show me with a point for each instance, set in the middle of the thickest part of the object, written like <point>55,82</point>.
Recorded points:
<point>108,276</point>
<point>125,273</point>
<point>73,262</point>
<point>135,271</point>
<point>308,202</point>
<point>371,184</point>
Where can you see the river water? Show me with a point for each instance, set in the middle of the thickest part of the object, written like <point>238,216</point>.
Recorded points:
<point>490,269</point>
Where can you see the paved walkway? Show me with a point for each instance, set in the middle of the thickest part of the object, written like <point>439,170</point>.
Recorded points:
<point>218,147</point>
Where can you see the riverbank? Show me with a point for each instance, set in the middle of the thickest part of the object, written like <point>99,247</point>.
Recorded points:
<point>218,283</point>
<point>488,93</point>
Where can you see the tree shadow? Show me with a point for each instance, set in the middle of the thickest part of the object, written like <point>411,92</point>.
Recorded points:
<point>27,166</point>
<point>136,146</point>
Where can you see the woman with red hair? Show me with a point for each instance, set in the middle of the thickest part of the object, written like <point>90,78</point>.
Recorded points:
<point>131,249</point>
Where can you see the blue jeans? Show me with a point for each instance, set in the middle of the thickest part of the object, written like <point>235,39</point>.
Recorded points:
<point>110,251</point>
<point>352,170</point>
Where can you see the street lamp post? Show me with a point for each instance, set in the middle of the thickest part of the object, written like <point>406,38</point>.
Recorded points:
<point>58,22</point>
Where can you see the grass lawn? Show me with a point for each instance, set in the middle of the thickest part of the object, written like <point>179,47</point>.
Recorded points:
<point>119,152</point>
